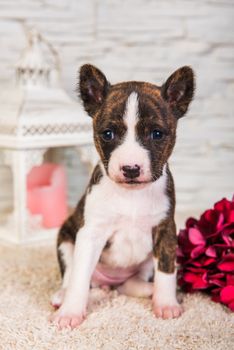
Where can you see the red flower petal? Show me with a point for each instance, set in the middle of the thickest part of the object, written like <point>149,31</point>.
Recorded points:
<point>230,279</point>
<point>179,252</point>
<point>217,279</point>
<point>201,283</point>
<point>184,242</point>
<point>196,237</point>
<point>197,251</point>
<point>220,221</point>
<point>221,246</point>
<point>208,261</point>
<point>227,294</point>
<point>215,295</point>
<point>190,277</point>
<point>198,281</point>
<point>227,234</point>
<point>222,205</point>
<point>231,216</point>
<point>210,251</point>
<point>196,269</point>
<point>191,222</point>
<point>210,221</point>
<point>227,264</point>
<point>216,282</point>
<point>218,275</point>
<point>227,208</point>
<point>196,263</point>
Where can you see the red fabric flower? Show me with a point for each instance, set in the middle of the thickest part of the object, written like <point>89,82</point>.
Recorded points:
<point>206,253</point>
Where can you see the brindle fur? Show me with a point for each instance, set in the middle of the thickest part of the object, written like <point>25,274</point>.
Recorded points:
<point>95,178</point>
<point>159,107</point>
<point>164,235</point>
<point>72,225</point>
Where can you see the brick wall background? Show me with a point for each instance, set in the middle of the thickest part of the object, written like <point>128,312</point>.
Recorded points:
<point>145,40</point>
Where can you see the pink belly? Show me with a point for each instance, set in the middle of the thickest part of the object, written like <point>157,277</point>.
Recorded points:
<point>105,275</point>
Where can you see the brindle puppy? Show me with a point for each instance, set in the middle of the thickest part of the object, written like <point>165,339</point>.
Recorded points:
<point>122,232</point>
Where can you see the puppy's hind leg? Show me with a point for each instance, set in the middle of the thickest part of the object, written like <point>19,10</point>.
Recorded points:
<point>138,285</point>
<point>65,258</point>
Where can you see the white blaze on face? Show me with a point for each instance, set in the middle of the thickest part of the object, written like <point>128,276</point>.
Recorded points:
<point>130,152</point>
<point>131,116</point>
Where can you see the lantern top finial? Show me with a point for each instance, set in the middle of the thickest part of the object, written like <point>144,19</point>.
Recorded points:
<point>34,67</point>
<point>37,112</point>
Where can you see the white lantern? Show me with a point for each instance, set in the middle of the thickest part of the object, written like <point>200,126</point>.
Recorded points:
<point>36,115</point>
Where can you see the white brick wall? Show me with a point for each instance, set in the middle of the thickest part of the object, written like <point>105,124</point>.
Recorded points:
<point>147,40</point>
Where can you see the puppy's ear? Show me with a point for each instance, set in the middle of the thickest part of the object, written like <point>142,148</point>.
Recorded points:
<point>93,88</point>
<point>178,90</point>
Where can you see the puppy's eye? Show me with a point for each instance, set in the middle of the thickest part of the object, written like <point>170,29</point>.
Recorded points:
<point>108,135</point>
<point>156,135</point>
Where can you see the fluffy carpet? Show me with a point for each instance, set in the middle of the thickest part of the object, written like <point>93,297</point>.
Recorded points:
<point>30,275</point>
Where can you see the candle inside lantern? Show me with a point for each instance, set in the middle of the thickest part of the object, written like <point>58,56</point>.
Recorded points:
<point>47,194</point>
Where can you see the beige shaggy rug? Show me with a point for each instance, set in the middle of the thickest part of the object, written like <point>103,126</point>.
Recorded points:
<point>28,277</point>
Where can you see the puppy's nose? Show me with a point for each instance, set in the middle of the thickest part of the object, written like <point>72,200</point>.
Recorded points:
<point>130,171</point>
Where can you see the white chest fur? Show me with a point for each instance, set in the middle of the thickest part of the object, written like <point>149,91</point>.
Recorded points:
<point>128,215</point>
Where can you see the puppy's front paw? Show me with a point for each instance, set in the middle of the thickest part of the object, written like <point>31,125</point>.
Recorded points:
<point>67,319</point>
<point>167,311</point>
